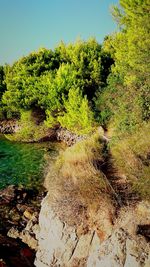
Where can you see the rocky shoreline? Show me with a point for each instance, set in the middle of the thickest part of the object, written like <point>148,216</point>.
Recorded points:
<point>53,134</point>
<point>19,211</point>
<point>20,207</point>
<point>70,227</point>
<point>106,243</point>
<point>33,234</point>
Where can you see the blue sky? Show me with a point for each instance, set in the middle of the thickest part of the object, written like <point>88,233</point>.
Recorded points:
<point>26,25</point>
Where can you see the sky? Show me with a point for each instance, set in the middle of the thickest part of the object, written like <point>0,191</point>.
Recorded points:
<point>27,25</point>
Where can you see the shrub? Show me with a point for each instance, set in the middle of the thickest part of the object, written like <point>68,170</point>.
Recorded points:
<point>77,117</point>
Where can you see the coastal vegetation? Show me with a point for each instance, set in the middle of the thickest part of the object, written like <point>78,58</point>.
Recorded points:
<point>86,84</point>
<point>92,207</point>
<point>55,82</point>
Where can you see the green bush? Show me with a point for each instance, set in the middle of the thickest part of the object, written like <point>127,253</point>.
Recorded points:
<point>77,117</point>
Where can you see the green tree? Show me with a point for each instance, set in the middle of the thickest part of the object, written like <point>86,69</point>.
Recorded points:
<point>2,90</point>
<point>77,116</point>
<point>127,96</point>
<point>90,62</point>
<point>132,44</point>
<point>2,83</point>
<point>23,79</point>
<point>43,78</point>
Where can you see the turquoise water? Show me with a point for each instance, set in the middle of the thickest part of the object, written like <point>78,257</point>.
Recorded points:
<point>24,164</point>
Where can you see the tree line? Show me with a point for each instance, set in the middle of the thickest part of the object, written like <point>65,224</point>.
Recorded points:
<point>79,85</point>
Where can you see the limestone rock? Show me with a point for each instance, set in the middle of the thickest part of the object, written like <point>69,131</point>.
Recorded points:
<point>120,250</point>
<point>100,245</point>
<point>27,214</point>
<point>27,235</point>
<point>68,137</point>
<point>64,244</point>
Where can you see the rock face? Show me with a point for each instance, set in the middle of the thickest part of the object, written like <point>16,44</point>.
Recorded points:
<point>105,243</point>
<point>19,209</point>
<point>68,137</point>
<point>59,244</point>
<point>120,250</point>
<point>27,235</point>
<point>8,126</point>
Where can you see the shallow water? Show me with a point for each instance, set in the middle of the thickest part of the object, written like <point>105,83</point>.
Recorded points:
<point>24,164</point>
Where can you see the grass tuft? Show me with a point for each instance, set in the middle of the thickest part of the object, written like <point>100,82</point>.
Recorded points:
<point>75,185</point>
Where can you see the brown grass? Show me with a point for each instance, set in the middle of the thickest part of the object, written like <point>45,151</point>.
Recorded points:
<point>132,157</point>
<point>77,189</point>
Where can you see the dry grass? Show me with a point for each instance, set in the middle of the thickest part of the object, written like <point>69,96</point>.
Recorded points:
<point>76,187</point>
<point>132,157</point>
<point>78,161</point>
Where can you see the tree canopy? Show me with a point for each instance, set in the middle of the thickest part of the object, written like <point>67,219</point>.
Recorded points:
<point>80,83</point>
<point>127,96</point>
<point>47,79</point>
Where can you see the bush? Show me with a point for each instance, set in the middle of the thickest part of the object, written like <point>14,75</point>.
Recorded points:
<point>77,117</point>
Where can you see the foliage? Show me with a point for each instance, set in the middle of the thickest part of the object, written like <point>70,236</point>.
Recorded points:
<point>125,100</point>
<point>44,79</point>
<point>124,105</point>
<point>2,90</point>
<point>90,62</point>
<point>132,44</point>
<point>77,85</point>
<point>2,83</point>
<point>112,79</point>
<point>77,116</point>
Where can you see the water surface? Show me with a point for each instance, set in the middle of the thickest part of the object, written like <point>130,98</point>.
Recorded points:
<point>24,164</point>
